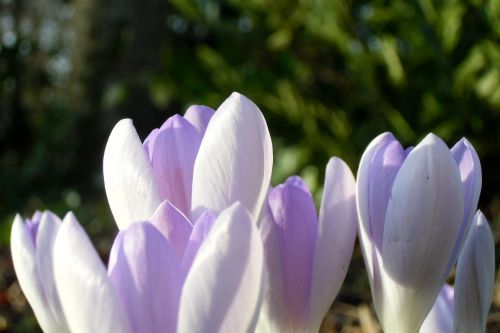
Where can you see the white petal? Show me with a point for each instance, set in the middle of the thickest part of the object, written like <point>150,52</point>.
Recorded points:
<point>223,289</point>
<point>128,178</point>
<point>46,235</point>
<point>475,278</point>
<point>24,260</point>
<point>336,234</point>
<point>89,300</point>
<point>421,227</point>
<point>235,159</point>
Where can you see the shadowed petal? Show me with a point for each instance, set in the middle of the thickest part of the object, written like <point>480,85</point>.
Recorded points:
<point>223,289</point>
<point>376,173</point>
<point>172,157</point>
<point>199,116</point>
<point>200,231</point>
<point>336,235</point>
<point>271,317</point>
<point>46,235</point>
<point>235,159</point>
<point>470,174</point>
<point>147,275</point>
<point>422,223</point>
<point>174,226</point>
<point>128,178</point>
<point>475,278</point>
<point>295,223</point>
<point>88,298</point>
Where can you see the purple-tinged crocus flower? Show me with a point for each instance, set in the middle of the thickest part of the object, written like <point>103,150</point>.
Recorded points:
<point>196,162</point>
<point>32,241</point>
<point>147,286</point>
<point>415,208</point>
<point>306,257</point>
<point>467,310</point>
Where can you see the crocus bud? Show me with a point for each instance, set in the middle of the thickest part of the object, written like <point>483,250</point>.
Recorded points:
<point>475,278</point>
<point>32,243</point>
<point>306,257</point>
<point>415,208</point>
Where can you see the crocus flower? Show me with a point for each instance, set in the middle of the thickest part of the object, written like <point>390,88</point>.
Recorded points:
<point>465,309</point>
<point>196,162</point>
<point>146,287</point>
<point>32,242</point>
<point>306,257</point>
<point>415,208</point>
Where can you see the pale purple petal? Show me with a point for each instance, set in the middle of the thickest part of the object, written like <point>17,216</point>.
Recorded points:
<point>296,224</point>
<point>385,165</point>
<point>377,169</point>
<point>147,275</point>
<point>440,319</point>
<point>223,289</point>
<point>88,298</point>
<point>149,142</point>
<point>128,178</point>
<point>174,226</point>
<point>422,223</point>
<point>200,232</point>
<point>336,235</point>
<point>271,318</point>
<point>475,278</point>
<point>33,224</point>
<point>199,116</point>
<point>172,156</point>
<point>470,174</point>
<point>235,159</point>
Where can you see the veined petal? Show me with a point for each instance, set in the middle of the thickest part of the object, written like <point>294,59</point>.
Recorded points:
<point>199,116</point>
<point>376,173</point>
<point>172,156</point>
<point>24,258</point>
<point>128,178</point>
<point>174,226</point>
<point>235,159</point>
<point>440,319</point>
<point>421,226</point>
<point>199,232</point>
<point>475,278</point>
<point>336,235</point>
<point>223,289</point>
<point>88,298</point>
<point>296,224</point>
<point>470,174</point>
<point>147,275</point>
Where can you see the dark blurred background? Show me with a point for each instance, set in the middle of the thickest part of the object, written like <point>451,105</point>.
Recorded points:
<point>328,75</point>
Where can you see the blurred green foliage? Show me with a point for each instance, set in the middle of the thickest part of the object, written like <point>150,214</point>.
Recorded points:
<point>328,75</point>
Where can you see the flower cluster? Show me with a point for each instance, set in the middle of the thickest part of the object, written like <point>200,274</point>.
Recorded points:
<point>205,244</point>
